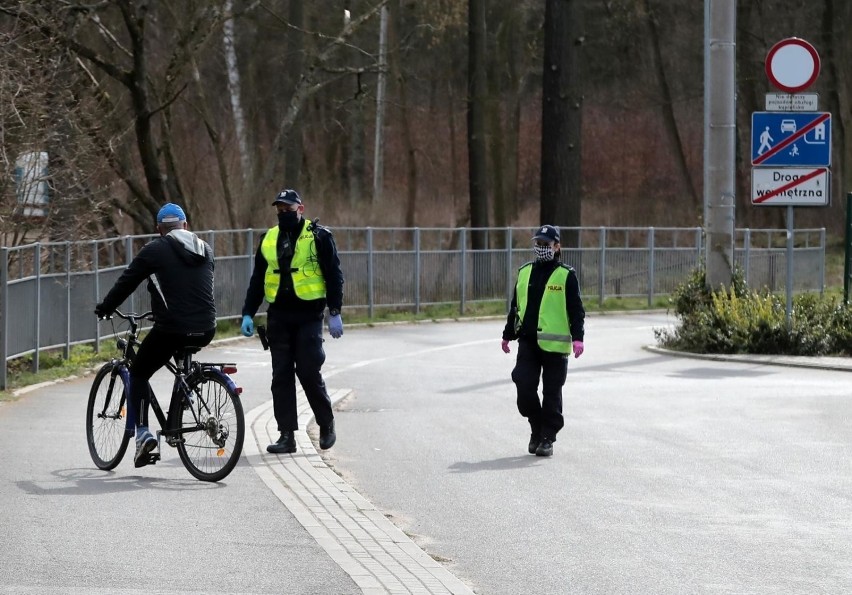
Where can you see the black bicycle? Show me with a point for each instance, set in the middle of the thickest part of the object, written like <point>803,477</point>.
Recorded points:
<point>205,419</point>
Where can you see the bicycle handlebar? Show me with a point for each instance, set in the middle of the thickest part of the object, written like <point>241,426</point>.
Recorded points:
<point>131,316</point>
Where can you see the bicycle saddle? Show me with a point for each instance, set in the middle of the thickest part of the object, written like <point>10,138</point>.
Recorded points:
<point>180,353</point>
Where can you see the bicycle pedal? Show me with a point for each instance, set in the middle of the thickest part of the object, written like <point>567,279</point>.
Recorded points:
<point>153,457</point>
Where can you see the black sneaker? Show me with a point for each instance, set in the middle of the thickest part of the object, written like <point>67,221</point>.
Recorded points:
<point>534,440</point>
<point>145,443</point>
<point>327,436</point>
<point>285,444</point>
<point>545,448</point>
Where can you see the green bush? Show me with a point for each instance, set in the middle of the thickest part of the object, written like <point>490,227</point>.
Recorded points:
<point>741,320</point>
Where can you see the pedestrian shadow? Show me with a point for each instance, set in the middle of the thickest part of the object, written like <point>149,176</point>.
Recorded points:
<point>89,482</point>
<point>501,464</point>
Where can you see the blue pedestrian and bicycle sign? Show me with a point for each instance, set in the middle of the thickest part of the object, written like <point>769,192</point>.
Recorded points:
<point>791,139</point>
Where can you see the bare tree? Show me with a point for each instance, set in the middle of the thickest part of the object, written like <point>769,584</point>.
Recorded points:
<point>50,176</point>
<point>316,75</point>
<point>109,42</point>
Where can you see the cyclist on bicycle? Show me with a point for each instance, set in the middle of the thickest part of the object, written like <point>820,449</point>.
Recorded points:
<point>179,269</point>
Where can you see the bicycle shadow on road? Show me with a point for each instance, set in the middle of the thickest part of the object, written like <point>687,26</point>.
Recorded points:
<point>88,482</point>
<point>501,464</point>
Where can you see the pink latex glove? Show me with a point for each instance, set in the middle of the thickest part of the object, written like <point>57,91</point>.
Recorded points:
<point>578,348</point>
<point>504,345</point>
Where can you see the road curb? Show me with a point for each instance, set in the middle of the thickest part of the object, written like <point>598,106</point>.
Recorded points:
<point>837,364</point>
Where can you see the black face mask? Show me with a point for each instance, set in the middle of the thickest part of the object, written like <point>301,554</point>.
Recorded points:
<point>287,220</point>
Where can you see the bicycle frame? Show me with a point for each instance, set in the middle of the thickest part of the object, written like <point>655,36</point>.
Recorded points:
<point>180,394</point>
<point>204,420</point>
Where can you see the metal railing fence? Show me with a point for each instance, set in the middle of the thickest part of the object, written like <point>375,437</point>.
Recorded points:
<point>48,290</point>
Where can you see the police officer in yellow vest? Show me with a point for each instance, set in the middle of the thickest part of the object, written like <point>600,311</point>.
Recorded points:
<point>297,271</point>
<point>546,317</point>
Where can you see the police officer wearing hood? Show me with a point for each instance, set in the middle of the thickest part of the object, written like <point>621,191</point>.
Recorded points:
<point>297,271</point>
<point>179,269</point>
<point>546,317</point>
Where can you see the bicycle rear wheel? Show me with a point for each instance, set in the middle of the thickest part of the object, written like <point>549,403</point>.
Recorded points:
<point>212,450</point>
<point>106,416</point>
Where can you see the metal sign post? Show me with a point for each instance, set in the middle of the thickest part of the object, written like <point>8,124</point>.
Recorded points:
<point>789,281</point>
<point>791,150</point>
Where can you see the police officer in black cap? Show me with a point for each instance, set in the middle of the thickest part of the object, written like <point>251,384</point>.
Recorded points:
<point>297,271</point>
<point>546,317</point>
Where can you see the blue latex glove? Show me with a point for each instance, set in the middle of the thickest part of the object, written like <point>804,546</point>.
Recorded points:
<point>247,328</point>
<point>335,326</point>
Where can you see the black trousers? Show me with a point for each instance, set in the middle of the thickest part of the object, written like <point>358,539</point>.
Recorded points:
<point>533,363</point>
<point>295,342</point>
<point>156,349</point>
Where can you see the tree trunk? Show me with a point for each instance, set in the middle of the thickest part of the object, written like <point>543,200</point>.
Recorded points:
<point>502,125</point>
<point>561,147</point>
<point>495,139</point>
<point>513,122</point>
<point>456,220</point>
<point>138,88</point>
<point>219,151</point>
<point>408,142</point>
<point>235,94</point>
<point>837,17</point>
<point>356,160</point>
<point>667,107</point>
<point>295,65</point>
<point>476,147</point>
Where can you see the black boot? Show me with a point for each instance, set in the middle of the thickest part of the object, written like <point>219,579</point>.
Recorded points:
<point>535,437</point>
<point>545,448</point>
<point>534,440</point>
<point>327,436</point>
<point>285,444</point>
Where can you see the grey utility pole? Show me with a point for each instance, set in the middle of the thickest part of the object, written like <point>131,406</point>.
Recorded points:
<point>720,18</point>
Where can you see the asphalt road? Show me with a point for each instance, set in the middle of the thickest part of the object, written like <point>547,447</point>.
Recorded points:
<point>68,528</point>
<point>672,475</point>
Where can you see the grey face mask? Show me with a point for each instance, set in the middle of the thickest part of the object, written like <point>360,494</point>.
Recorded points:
<point>543,253</point>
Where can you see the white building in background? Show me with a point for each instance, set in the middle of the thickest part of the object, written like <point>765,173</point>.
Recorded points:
<point>31,189</point>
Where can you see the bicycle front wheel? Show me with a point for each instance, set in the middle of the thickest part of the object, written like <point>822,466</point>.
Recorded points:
<point>212,445</point>
<point>106,416</point>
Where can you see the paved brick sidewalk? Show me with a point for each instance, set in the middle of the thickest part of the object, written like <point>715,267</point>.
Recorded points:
<point>378,556</point>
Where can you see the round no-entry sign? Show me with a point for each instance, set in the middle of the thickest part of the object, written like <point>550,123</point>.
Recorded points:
<point>792,65</point>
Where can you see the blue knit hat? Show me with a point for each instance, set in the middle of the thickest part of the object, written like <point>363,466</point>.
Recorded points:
<point>170,213</point>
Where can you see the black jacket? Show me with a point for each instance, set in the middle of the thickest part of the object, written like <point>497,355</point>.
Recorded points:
<point>286,300</point>
<point>179,269</point>
<point>539,275</point>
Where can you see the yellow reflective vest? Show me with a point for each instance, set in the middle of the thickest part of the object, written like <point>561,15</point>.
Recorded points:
<point>554,330</point>
<point>308,282</point>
